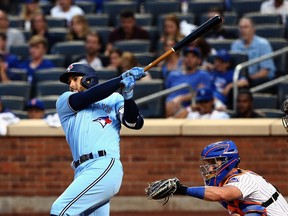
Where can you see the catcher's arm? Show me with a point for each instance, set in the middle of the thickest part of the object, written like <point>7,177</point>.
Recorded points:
<point>162,190</point>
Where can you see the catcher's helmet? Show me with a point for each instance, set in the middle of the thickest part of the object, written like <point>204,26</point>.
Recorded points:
<point>220,157</point>
<point>80,69</point>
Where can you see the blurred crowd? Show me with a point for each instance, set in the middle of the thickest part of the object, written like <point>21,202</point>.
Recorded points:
<point>207,69</point>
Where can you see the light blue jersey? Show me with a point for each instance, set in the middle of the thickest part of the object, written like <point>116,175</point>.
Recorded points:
<point>101,117</point>
<point>96,128</point>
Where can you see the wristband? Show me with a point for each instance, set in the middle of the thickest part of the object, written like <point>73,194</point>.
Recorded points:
<point>197,192</point>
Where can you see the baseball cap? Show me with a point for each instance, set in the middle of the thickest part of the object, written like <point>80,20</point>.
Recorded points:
<point>35,103</point>
<point>196,51</point>
<point>204,94</point>
<point>223,55</point>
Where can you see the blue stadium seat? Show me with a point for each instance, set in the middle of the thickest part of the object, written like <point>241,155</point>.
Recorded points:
<point>49,101</point>
<point>16,22</point>
<point>56,22</point>
<point>104,32</point>
<point>264,100</point>
<point>270,31</point>
<point>18,74</point>
<point>155,108</point>
<point>49,74</point>
<point>21,50</point>
<point>112,8</point>
<point>135,46</point>
<point>242,7</point>
<point>230,18</point>
<point>16,88</point>
<point>87,6</point>
<point>57,59</point>
<point>157,8</point>
<point>46,88</point>
<point>263,19</point>
<point>13,102</point>
<point>221,44</point>
<point>106,73</point>
<point>271,113</point>
<point>144,58</point>
<point>97,20</point>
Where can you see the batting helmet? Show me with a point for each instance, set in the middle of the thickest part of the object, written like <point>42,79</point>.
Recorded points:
<point>80,69</point>
<point>220,158</point>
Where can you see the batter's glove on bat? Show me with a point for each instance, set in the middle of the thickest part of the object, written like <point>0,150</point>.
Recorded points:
<point>128,83</point>
<point>136,72</point>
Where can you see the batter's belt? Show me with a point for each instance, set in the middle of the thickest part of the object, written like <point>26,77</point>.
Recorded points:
<point>87,157</point>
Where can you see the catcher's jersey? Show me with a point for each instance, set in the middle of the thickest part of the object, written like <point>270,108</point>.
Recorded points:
<point>255,188</point>
<point>94,128</point>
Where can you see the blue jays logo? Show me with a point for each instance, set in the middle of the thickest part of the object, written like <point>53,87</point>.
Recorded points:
<point>69,68</point>
<point>234,179</point>
<point>104,120</point>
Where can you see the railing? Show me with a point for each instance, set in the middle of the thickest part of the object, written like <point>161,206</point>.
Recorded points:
<point>244,65</point>
<point>162,93</point>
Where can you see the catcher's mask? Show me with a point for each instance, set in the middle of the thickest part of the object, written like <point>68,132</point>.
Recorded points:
<point>80,69</point>
<point>219,159</point>
<point>285,118</point>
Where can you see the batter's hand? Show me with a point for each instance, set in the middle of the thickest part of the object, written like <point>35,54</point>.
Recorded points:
<point>136,72</point>
<point>128,83</point>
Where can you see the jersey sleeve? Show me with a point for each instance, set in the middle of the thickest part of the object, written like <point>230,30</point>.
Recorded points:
<point>63,108</point>
<point>244,183</point>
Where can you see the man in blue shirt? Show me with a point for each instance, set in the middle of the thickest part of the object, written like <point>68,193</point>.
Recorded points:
<point>254,46</point>
<point>192,75</point>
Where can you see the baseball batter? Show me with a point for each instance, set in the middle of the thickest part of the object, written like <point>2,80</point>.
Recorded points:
<point>242,192</point>
<point>91,115</point>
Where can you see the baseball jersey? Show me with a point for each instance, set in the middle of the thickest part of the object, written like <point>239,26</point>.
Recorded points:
<point>255,188</point>
<point>101,117</point>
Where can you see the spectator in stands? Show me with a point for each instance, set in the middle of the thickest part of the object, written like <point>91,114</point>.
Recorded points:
<point>254,46</point>
<point>37,50</point>
<point>65,9</point>
<point>222,78</point>
<point>14,36</point>
<point>128,61</point>
<point>192,75</point>
<point>35,109</point>
<point>93,57</point>
<point>275,7</point>
<point>204,107</point>
<point>245,106</point>
<point>78,29</point>
<point>219,32</point>
<point>39,27</point>
<point>28,9</point>
<point>127,30</point>
<point>115,60</point>
<point>172,62</point>
<point>171,28</point>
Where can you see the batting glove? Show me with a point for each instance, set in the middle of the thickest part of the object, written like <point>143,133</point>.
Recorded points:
<point>128,83</point>
<point>136,72</point>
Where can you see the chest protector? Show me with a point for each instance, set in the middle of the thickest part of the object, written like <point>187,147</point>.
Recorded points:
<point>239,206</point>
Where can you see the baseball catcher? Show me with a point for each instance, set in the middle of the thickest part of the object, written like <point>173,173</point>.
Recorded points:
<point>241,192</point>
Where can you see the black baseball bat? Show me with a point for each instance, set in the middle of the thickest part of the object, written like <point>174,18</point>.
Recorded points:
<point>199,31</point>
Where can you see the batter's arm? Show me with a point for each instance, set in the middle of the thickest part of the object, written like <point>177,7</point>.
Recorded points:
<point>132,117</point>
<point>81,100</point>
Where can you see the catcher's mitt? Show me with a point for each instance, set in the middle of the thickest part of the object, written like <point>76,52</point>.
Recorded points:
<point>162,189</point>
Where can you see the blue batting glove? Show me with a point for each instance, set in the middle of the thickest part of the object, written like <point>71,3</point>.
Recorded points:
<point>136,72</point>
<point>129,83</point>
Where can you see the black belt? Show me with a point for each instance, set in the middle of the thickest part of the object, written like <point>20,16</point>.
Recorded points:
<point>271,200</point>
<point>87,157</point>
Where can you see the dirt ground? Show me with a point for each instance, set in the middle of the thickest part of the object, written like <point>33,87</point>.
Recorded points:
<point>164,213</point>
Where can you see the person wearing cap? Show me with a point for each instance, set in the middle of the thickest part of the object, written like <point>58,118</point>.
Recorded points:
<point>91,116</point>
<point>222,78</point>
<point>35,109</point>
<point>192,75</point>
<point>204,107</point>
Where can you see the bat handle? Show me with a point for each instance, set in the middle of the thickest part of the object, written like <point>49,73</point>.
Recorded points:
<point>159,59</point>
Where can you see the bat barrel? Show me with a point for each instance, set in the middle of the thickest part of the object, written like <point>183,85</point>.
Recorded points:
<point>202,29</point>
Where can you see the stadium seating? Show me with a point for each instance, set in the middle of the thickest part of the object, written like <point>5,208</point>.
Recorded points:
<point>16,22</point>
<point>47,88</point>
<point>106,73</point>
<point>97,20</point>
<point>135,46</point>
<point>21,50</point>
<point>270,31</point>
<point>242,7</point>
<point>49,101</point>
<point>271,113</point>
<point>13,102</point>
<point>157,8</point>
<point>57,59</point>
<point>49,74</point>
<point>16,88</point>
<point>112,8</point>
<point>56,22</point>
<point>144,58</point>
<point>263,19</point>
<point>18,74</point>
<point>155,108</point>
<point>230,18</point>
<point>87,6</point>
<point>264,100</point>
